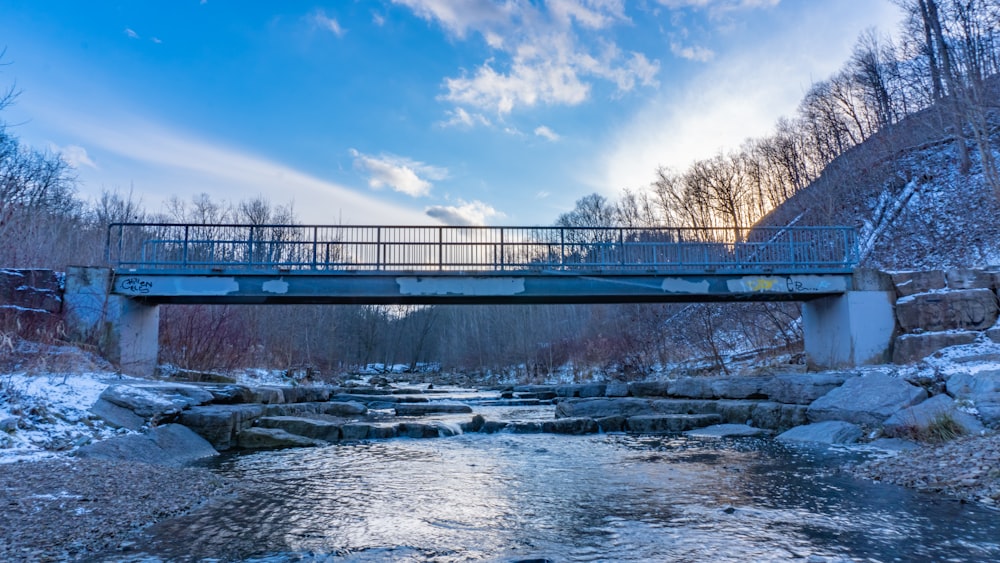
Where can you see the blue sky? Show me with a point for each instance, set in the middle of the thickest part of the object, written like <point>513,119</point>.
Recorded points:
<point>497,112</point>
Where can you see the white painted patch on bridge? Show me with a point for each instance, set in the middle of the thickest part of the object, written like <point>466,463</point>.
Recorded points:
<point>433,285</point>
<point>681,285</point>
<point>275,286</point>
<point>205,286</point>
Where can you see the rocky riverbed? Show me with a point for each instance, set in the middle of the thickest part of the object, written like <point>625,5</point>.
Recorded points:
<point>967,468</point>
<point>67,509</point>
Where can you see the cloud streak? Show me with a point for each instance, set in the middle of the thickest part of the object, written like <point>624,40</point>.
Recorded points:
<point>164,162</point>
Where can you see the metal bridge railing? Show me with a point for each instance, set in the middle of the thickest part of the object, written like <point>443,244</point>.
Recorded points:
<point>170,246</point>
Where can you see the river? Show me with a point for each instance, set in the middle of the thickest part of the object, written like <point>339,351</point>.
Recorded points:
<point>542,497</point>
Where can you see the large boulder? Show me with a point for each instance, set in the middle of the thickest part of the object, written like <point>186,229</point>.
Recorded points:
<point>921,419</point>
<point>869,399</point>
<point>910,283</point>
<point>274,438</point>
<point>829,432</point>
<point>170,444</point>
<point>116,416</point>
<point>966,309</point>
<point>220,424</point>
<point>803,388</point>
<point>982,388</point>
<point>911,348</point>
<point>147,402</point>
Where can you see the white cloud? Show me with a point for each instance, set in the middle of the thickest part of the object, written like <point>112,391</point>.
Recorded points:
<point>398,173</point>
<point>461,118</point>
<point>539,55</point>
<point>465,214</point>
<point>131,34</point>
<point>739,95</point>
<point>543,131</point>
<point>156,40</point>
<point>692,53</point>
<point>324,22</point>
<point>74,155</point>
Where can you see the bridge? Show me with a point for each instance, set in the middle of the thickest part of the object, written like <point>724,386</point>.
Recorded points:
<point>168,263</point>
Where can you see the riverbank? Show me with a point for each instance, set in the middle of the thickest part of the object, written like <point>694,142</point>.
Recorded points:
<point>66,509</point>
<point>967,468</point>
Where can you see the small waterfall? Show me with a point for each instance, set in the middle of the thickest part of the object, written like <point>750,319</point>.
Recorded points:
<point>446,428</point>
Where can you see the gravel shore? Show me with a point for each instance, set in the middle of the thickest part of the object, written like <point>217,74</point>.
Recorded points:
<point>68,509</point>
<point>967,468</point>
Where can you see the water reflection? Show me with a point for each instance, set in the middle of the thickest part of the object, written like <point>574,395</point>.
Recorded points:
<point>512,497</point>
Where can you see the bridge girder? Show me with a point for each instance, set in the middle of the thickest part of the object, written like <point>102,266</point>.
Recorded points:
<point>456,287</point>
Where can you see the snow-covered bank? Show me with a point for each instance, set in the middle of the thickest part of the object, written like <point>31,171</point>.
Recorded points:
<point>46,415</point>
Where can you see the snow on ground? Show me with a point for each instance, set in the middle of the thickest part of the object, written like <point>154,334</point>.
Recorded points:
<point>42,415</point>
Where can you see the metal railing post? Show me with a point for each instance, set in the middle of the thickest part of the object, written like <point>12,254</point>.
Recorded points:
<point>440,248</point>
<point>562,248</point>
<point>184,258</point>
<point>250,248</point>
<point>501,250</point>
<point>315,246</point>
<point>378,248</point>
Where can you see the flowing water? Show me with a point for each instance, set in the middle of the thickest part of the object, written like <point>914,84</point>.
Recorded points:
<point>542,497</point>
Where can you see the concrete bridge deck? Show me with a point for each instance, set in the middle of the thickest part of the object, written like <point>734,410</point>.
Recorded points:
<point>847,318</point>
<point>168,263</point>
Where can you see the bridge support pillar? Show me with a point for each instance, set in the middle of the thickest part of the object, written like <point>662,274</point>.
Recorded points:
<point>852,329</point>
<point>126,331</point>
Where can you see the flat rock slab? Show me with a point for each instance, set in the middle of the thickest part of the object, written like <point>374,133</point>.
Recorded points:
<point>671,423</point>
<point>911,348</point>
<point>308,427</point>
<point>828,432</point>
<point>869,399</point>
<point>804,388</point>
<point>727,431</point>
<point>274,438</point>
<point>170,444</point>
<point>421,409</point>
<point>910,283</point>
<point>332,408</point>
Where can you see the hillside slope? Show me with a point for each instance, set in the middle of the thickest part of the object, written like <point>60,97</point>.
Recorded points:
<point>903,190</point>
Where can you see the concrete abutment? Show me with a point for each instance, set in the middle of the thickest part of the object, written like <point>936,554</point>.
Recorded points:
<point>853,329</point>
<point>125,330</point>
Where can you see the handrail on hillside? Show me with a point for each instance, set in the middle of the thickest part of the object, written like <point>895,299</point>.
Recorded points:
<point>350,248</point>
